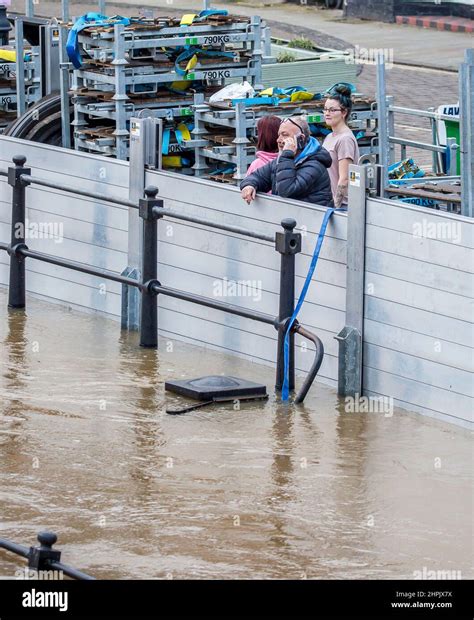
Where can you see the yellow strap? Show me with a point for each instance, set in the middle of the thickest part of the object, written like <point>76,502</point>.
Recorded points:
<point>184,131</point>
<point>301,96</point>
<point>181,84</point>
<point>187,19</point>
<point>268,92</point>
<point>192,63</point>
<point>172,161</point>
<point>8,55</point>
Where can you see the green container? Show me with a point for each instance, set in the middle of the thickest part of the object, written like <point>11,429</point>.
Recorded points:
<point>453,131</point>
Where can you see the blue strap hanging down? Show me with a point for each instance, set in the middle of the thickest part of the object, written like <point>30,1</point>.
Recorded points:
<point>285,392</point>
<point>85,21</point>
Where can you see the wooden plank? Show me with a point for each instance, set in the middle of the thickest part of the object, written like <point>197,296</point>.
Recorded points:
<point>98,256</point>
<point>89,171</point>
<point>425,371</point>
<point>431,251</point>
<point>418,272</point>
<point>421,297</point>
<point>458,357</point>
<point>410,408</point>
<point>256,348</point>
<point>418,321</point>
<point>412,220</point>
<point>200,194</point>
<point>260,279</point>
<point>69,292</point>
<point>311,314</point>
<point>418,394</point>
<point>420,193</point>
<point>246,326</point>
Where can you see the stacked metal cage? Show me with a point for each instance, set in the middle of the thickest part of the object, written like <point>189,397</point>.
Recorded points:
<point>225,134</point>
<point>130,69</point>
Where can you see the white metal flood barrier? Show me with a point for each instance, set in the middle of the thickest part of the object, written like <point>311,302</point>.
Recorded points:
<point>404,281</point>
<point>418,284</point>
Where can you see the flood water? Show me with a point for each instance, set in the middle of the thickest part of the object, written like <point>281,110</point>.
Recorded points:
<point>267,491</point>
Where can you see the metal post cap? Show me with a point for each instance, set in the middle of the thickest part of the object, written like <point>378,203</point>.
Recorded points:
<point>288,223</point>
<point>19,160</point>
<point>47,539</point>
<point>151,191</point>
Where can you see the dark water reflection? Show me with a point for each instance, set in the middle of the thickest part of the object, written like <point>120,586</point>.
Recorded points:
<point>268,491</point>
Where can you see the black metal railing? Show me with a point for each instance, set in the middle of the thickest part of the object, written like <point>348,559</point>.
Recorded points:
<point>151,209</point>
<point>44,557</point>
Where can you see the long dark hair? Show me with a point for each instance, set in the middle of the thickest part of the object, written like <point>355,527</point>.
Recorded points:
<point>267,128</point>
<point>343,95</point>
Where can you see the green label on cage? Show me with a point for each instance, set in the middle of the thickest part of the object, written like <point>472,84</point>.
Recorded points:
<point>190,76</point>
<point>186,111</point>
<point>191,40</point>
<point>314,118</point>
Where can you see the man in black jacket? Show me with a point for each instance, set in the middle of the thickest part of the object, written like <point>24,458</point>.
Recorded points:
<point>299,171</point>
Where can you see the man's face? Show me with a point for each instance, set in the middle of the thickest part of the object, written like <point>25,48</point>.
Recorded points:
<point>286,130</point>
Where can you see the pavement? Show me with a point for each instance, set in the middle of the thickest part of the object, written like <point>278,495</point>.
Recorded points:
<point>418,47</point>
<point>452,24</point>
<point>429,77</point>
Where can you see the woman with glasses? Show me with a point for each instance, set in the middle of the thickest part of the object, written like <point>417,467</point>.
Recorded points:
<point>267,147</point>
<point>341,142</point>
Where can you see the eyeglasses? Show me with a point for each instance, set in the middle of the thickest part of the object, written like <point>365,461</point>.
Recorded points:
<point>292,122</point>
<point>332,110</point>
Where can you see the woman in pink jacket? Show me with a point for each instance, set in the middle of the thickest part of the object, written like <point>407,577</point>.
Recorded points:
<point>267,147</point>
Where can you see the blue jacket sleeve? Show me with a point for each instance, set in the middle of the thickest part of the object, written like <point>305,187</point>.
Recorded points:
<point>261,179</point>
<point>292,181</point>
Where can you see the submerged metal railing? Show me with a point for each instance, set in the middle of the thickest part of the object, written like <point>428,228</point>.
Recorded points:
<point>44,557</point>
<point>151,209</point>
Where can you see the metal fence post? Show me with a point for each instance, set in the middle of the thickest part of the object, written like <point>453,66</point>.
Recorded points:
<point>391,129</point>
<point>149,305</point>
<point>288,243</point>
<point>16,291</point>
<point>350,339</point>
<point>382,119</point>
<point>466,120</point>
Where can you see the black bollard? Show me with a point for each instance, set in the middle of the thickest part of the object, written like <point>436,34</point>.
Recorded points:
<point>16,292</point>
<point>39,557</point>
<point>149,303</point>
<point>288,243</point>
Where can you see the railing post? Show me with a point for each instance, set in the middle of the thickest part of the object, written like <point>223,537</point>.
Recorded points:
<point>149,305</point>
<point>40,557</point>
<point>466,129</point>
<point>288,243</point>
<point>350,338</point>
<point>16,291</point>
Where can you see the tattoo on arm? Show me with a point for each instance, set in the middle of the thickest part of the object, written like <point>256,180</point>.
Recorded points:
<point>341,193</point>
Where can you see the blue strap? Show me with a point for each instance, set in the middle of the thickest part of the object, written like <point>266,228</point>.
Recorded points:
<point>165,143</point>
<point>207,12</point>
<point>285,392</point>
<point>85,21</point>
<point>189,53</point>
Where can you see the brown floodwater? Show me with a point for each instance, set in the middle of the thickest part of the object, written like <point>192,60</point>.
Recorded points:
<point>267,491</point>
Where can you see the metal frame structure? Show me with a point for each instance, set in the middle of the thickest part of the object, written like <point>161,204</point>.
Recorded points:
<point>120,75</point>
<point>388,140</point>
<point>242,119</point>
